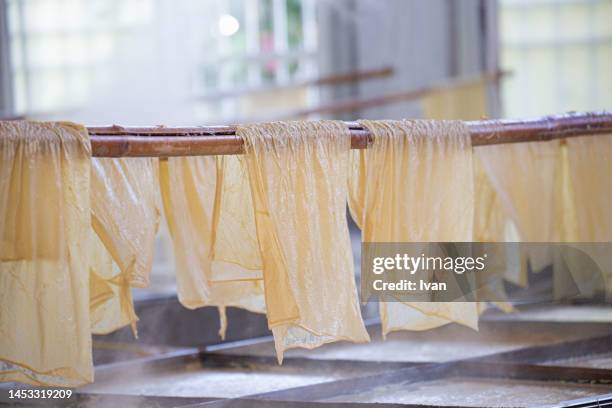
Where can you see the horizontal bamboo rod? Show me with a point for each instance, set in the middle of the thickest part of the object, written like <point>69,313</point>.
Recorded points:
<point>119,141</point>
<point>328,80</point>
<point>357,104</point>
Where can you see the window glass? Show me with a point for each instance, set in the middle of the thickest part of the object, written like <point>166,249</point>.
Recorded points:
<point>559,50</point>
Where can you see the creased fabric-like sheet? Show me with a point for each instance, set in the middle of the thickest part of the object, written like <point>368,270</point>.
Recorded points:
<point>125,216</point>
<point>110,299</point>
<point>590,169</point>
<point>526,191</point>
<point>298,173</point>
<point>45,331</point>
<point>208,207</point>
<point>559,193</point>
<point>527,194</point>
<point>415,184</point>
<point>587,209</point>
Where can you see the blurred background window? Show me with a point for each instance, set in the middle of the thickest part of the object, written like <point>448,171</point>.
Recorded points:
<point>60,48</point>
<point>198,61</point>
<point>66,53</point>
<point>259,44</point>
<point>559,51</point>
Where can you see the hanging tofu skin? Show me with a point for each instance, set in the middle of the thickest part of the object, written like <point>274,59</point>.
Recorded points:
<point>298,173</point>
<point>415,184</point>
<point>586,214</point>
<point>207,204</point>
<point>44,245</point>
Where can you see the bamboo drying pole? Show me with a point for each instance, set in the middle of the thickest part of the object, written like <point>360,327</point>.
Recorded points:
<point>355,104</point>
<point>333,79</point>
<point>118,141</point>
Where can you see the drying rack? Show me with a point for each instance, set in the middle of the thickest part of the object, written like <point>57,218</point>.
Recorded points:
<point>525,363</point>
<point>161,141</point>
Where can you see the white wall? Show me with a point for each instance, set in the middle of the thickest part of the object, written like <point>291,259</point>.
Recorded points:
<point>425,42</point>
